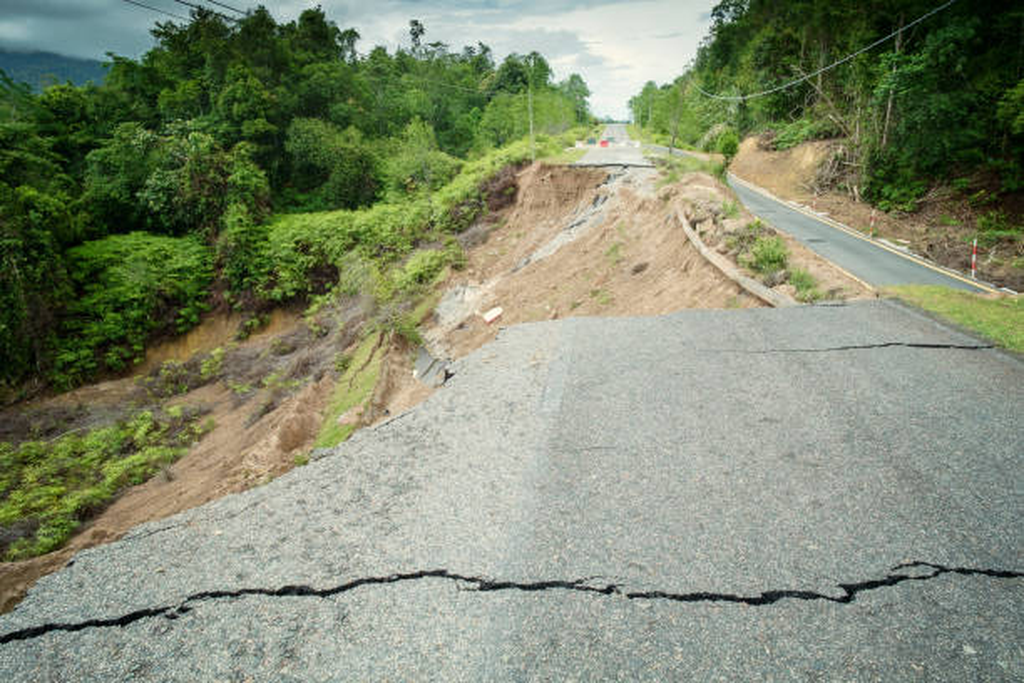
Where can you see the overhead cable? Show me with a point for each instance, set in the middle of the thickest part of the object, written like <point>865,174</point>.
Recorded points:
<point>195,6</point>
<point>797,81</point>
<point>154,9</point>
<point>221,4</point>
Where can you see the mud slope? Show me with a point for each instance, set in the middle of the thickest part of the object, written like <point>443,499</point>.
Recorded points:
<point>578,242</point>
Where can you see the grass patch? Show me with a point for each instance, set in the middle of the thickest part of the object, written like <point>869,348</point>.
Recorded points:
<point>602,297</point>
<point>731,209</point>
<point>353,388</point>
<point>673,168</point>
<point>566,156</point>
<point>805,284</point>
<point>1001,320</point>
<point>49,488</point>
<point>767,255</point>
<point>614,253</point>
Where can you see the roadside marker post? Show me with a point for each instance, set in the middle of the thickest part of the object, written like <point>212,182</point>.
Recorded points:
<point>974,260</point>
<point>872,222</point>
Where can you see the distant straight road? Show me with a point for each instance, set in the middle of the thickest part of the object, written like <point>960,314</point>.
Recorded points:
<point>870,261</point>
<point>616,152</point>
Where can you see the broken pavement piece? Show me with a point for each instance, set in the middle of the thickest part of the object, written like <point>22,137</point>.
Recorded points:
<point>429,370</point>
<point>493,314</point>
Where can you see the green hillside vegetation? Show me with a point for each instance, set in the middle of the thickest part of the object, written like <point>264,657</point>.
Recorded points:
<point>942,102</point>
<point>252,162</point>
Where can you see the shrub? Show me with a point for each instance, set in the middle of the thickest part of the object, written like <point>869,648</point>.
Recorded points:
<point>242,249</point>
<point>806,286</point>
<point>420,269</point>
<point>768,255</point>
<point>802,130</point>
<point>128,287</point>
<point>728,144</point>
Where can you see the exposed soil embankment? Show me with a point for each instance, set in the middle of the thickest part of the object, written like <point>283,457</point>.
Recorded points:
<point>580,242</point>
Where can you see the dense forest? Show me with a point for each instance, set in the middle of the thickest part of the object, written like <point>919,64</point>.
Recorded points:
<point>189,175</point>
<point>942,100</point>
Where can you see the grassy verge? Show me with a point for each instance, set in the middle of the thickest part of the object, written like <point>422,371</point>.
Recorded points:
<point>566,156</point>
<point>1001,320</point>
<point>673,168</point>
<point>49,488</point>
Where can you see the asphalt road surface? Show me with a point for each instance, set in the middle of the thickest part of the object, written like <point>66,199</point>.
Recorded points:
<point>810,493</point>
<point>618,151</point>
<point>875,264</point>
<point>862,257</point>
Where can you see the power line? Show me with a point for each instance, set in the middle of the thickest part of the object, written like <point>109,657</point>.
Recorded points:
<point>154,9</point>
<point>784,86</point>
<point>200,7</point>
<point>221,4</point>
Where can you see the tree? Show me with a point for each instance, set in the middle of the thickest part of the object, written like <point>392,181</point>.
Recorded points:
<point>575,88</point>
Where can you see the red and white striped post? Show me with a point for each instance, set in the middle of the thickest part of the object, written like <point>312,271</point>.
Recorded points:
<point>974,260</point>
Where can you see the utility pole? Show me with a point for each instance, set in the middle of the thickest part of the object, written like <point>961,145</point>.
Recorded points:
<point>529,100</point>
<point>529,106</point>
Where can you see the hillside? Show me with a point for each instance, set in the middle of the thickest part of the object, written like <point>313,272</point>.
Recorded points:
<point>39,69</point>
<point>196,177</point>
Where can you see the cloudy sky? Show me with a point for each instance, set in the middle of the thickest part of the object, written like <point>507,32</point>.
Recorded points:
<point>615,46</point>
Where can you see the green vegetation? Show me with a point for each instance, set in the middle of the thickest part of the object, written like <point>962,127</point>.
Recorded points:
<point>1001,320</point>
<point>768,255</point>
<point>188,176</point>
<point>47,489</point>
<point>614,253</point>
<point>994,227</point>
<point>941,101</point>
<point>758,248</point>
<point>673,168</point>
<point>130,287</point>
<point>806,287</point>
<point>795,132</point>
<point>601,296</point>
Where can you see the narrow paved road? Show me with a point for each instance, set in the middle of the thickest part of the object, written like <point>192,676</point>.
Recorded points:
<point>872,262</point>
<point>812,493</point>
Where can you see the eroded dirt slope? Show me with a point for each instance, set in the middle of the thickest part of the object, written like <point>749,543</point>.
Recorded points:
<point>582,242</point>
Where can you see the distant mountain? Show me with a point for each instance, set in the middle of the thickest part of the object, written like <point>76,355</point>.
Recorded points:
<point>40,69</point>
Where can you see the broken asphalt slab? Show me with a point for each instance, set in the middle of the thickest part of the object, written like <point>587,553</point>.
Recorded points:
<point>828,492</point>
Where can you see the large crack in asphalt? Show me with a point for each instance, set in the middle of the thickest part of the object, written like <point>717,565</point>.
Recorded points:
<point>848,593</point>
<point>857,347</point>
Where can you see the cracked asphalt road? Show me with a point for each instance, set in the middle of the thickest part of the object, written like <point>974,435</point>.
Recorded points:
<point>823,493</point>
